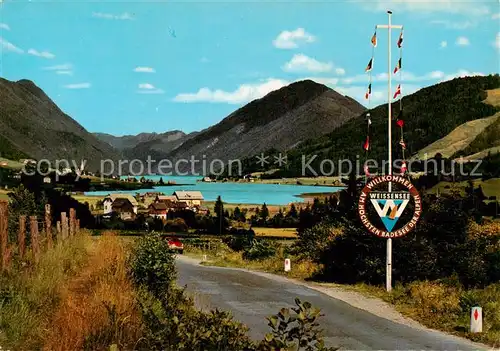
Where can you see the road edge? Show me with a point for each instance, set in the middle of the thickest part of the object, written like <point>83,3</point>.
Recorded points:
<point>365,302</point>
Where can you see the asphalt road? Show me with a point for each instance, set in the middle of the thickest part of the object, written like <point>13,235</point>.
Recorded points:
<point>252,297</point>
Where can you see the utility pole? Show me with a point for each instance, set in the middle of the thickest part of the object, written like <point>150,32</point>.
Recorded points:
<point>389,26</point>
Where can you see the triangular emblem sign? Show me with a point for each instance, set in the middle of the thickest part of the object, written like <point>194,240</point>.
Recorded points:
<point>389,211</point>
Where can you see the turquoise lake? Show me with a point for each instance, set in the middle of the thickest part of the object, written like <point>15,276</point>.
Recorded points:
<point>240,193</point>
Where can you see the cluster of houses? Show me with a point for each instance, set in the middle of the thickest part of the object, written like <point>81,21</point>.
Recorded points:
<point>126,205</point>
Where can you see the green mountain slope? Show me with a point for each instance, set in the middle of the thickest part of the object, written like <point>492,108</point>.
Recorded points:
<point>31,125</point>
<point>430,114</point>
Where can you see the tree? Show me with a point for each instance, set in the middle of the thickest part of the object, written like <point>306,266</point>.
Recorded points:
<point>264,212</point>
<point>22,202</point>
<point>219,213</point>
<point>160,182</point>
<point>236,213</point>
<point>293,212</point>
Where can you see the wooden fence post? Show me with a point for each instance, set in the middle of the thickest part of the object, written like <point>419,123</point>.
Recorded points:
<point>77,226</point>
<point>21,236</point>
<point>64,225</point>
<point>72,223</point>
<point>4,236</point>
<point>48,227</point>
<point>58,230</point>
<point>35,239</point>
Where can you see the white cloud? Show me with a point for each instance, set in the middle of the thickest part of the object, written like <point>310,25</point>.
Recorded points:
<point>69,73</point>
<point>4,26</point>
<point>123,16</point>
<point>8,46</point>
<point>470,8</point>
<point>144,69</point>
<point>406,76</point>
<point>78,86</point>
<point>495,16</point>
<point>496,43</point>
<point>340,71</point>
<point>148,88</point>
<point>377,96</point>
<point>204,60</point>
<point>251,91</point>
<point>444,44</point>
<point>462,41</point>
<point>460,74</point>
<point>44,54</point>
<point>454,25</point>
<point>303,63</point>
<point>243,94</point>
<point>291,39</point>
<point>63,67</point>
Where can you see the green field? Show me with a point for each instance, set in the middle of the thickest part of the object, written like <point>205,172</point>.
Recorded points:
<point>491,187</point>
<point>6,163</point>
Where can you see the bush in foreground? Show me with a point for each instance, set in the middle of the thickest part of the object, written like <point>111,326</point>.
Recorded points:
<point>171,322</point>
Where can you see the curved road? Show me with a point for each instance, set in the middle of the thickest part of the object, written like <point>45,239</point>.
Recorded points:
<point>251,297</point>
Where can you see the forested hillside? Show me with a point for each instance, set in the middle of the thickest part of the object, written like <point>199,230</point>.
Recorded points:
<point>429,115</point>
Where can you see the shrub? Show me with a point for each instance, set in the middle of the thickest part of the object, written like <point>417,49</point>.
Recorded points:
<point>295,332</point>
<point>313,241</point>
<point>177,225</point>
<point>259,250</point>
<point>171,322</point>
<point>152,264</point>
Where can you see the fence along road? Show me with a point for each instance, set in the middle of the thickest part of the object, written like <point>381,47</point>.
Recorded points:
<point>251,297</point>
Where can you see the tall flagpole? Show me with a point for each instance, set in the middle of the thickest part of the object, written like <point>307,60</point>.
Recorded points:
<point>389,26</point>
<point>388,268</point>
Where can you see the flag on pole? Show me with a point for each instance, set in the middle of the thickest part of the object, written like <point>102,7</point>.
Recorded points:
<point>400,114</point>
<point>367,143</point>
<point>369,91</point>
<point>400,40</point>
<point>398,91</point>
<point>402,143</point>
<point>398,66</point>
<point>374,39</point>
<point>369,66</point>
<point>400,123</point>
<point>366,170</point>
<point>404,168</point>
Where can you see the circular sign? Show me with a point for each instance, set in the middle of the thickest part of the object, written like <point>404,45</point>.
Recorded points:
<point>389,206</point>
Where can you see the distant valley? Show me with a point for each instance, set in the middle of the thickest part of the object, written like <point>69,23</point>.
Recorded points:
<point>456,118</point>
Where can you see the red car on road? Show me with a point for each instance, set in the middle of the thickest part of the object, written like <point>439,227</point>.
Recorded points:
<point>176,245</point>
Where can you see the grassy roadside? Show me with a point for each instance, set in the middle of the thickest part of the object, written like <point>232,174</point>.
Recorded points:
<point>66,300</point>
<point>440,305</point>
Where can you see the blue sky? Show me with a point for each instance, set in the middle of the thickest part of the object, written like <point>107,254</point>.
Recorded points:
<point>129,67</point>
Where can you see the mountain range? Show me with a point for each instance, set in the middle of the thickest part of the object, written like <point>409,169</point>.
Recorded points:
<point>302,118</point>
<point>33,126</point>
<point>281,120</point>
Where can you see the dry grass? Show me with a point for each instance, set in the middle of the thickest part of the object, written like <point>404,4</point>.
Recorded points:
<point>493,97</point>
<point>98,305</point>
<point>300,269</point>
<point>279,232</point>
<point>32,293</point>
<point>458,139</point>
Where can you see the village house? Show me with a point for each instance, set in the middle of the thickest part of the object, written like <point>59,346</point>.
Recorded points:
<point>158,210</point>
<point>109,201</point>
<point>191,198</point>
<point>163,198</point>
<point>161,209</point>
<point>124,208</point>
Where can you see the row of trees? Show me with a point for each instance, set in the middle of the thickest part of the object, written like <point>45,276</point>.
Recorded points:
<point>441,246</point>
